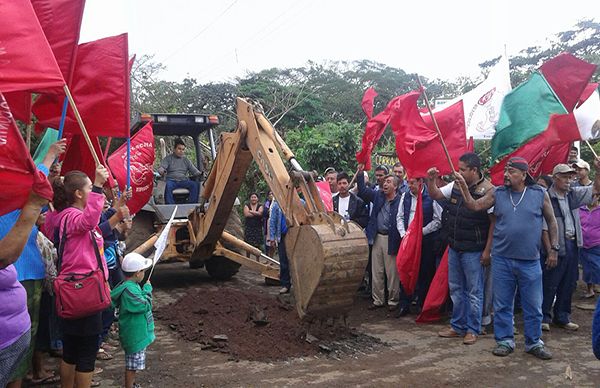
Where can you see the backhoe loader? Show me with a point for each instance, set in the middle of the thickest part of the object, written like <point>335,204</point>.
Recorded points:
<point>327,254</point>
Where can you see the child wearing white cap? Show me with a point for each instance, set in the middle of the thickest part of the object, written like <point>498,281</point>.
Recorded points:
<point>136,324</point>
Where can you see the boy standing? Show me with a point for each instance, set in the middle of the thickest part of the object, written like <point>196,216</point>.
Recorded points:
<point>136,324</point>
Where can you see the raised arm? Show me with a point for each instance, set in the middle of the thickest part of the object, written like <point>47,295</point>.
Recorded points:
<point>54,151</point>
<point>365,193</point>
<point>483,203</point>
<point>434,191</point>
<point>12,245</point>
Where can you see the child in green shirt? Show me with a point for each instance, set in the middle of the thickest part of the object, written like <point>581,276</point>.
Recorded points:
<point>136,324</point>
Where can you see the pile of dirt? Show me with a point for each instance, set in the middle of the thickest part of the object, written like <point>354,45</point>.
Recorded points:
<point>256,326</point>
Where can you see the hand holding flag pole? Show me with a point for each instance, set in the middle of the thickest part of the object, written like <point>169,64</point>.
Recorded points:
<point>592,149</point>
<point>435,124</point>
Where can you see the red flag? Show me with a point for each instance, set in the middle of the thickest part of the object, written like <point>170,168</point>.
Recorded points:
<point>408,260</point>
<point>100,88</point>
<point>417,143</point>
<point>79,157</point>
<point>368,102</point>
<point>61,22</point>
<point>18,174</point>
<point>437,294</point>
<point>568,76</point>
<point>26,61</point>
<point>541,155</point>
<point>326,196</point>
<point>374,128</point>
<point>471,145</point>
<point>20,105</point>
<point>142,161</point>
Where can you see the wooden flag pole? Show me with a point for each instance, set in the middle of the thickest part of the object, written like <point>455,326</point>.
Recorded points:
<point>81,125</point>
<point>592,149</point>
<point>435,124</point>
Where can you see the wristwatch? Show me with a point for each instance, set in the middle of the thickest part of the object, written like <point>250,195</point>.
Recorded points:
<point>555,247</point>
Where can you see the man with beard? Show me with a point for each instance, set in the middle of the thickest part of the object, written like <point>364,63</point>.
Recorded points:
<point>519,206</point>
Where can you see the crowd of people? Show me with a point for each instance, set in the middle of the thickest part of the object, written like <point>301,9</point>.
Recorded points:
<point>49,255</point>
<point>518,246</point>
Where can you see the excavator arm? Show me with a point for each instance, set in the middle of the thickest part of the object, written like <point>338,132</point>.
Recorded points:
<point>327,254</point>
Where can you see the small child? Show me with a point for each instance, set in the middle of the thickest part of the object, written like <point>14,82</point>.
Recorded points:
<point>136,324</point>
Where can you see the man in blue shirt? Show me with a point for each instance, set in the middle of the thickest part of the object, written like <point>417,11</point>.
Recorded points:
<point>519,207</point>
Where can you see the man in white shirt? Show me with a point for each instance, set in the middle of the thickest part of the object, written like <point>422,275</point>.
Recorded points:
<point>347,204</point>
<point>432,223</point>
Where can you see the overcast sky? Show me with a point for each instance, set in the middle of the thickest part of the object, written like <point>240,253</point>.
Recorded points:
<point>219,40</point>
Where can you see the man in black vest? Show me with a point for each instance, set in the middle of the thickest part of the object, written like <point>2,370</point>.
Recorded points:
<point>347,204</point>
<point>470,239</point>
<point>432,222</point>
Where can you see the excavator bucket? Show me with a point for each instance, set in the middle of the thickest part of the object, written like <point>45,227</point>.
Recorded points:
<point>327,263</point>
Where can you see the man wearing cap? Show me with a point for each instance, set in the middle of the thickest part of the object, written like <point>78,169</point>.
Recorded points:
<point>583,173</point>
<point>469,235</point>
<point>560,277</point>
<point>519,206</point>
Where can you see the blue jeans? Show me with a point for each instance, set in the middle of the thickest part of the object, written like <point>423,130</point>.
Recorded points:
<point>561,281</point>
<point>284,264</point>
<point>465,278</point>
<point>192,186</point>
<point>507,274</point>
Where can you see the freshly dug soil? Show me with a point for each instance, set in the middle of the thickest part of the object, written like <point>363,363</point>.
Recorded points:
<point>256,326</point>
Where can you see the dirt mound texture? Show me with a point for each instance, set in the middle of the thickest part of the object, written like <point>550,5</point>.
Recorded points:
<point>257,326</point>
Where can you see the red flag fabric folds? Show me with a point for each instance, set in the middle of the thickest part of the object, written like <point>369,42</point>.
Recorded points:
<point>18,174</point>
<point>568,76</point>
<point>26,61</point>
<point>326,196</point>
<point>417,143</point>
<point>100,88</point>
<point>541,154</point>
<point>408,259</point>
<point>78,157</point>
<point>20,105</point>
<point>142,161</point>
<point>437,294</point>
<point>61,22</point>
<point>374,128</point>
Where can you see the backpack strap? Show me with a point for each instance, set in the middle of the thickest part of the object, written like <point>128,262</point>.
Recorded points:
<point>61,245</point>
<point>97,251</point>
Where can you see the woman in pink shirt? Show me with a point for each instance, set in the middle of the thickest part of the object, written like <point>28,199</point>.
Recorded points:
<point>590,252</point>
<point>79,205</point>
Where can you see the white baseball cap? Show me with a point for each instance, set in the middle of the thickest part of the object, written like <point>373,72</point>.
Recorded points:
<point>134,262</point>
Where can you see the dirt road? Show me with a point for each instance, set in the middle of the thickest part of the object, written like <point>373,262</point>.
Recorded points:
<point>413,355</point>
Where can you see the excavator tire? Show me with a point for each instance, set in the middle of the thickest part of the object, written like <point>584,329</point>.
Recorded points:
<point>142,229</point>
<point>219,267</point>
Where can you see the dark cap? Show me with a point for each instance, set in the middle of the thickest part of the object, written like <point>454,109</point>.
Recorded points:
<point>521,163</point>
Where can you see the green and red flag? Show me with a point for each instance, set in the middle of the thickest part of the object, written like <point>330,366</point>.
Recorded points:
<point>554,89</point>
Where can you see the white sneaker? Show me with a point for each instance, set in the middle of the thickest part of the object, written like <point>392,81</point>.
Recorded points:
<point>545,327</point>
<point>284,290</point>
<point>569,326</point>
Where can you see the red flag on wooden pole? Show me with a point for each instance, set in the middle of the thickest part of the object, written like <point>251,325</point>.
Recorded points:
<point>26,60</point>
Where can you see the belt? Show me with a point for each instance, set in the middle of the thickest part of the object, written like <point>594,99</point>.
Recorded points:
<point>383,233</point>
<point>570,237</point>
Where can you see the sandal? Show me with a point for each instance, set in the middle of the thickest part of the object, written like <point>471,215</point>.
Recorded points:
<point>102,355</point>
<point>502,350</point>
<point>95,383</point>
<point>52,379</point>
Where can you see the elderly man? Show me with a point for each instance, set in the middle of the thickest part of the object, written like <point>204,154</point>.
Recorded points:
<point>519,207</point>
<point>176,167</point>
<point>383,235</point>
<point>560,277</point>
<point>432,222</point>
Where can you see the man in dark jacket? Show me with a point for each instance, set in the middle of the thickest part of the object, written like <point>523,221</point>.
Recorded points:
<point>347,204</point>
<point>383,234</point>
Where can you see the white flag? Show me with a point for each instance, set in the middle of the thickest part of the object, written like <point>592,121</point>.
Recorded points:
<point>161,243</point>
